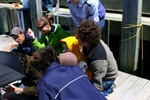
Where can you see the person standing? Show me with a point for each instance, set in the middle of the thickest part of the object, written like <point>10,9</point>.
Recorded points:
<point>51,34</point>
<point>99,57</point>
<point>24,40</point>
<point>87,9</point>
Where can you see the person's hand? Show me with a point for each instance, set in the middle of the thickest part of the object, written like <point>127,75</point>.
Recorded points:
<point>31,33</point>
<point>16,89</point>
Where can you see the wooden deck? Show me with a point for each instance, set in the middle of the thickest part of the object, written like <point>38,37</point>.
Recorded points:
<point>130,87</point>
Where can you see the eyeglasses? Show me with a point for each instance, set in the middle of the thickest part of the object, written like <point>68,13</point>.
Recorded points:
<point>40,28</point>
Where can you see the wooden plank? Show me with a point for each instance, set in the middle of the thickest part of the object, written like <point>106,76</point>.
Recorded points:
<point>144,93</point>
<point>123,88</point>
<point>6,5</point>
<point>133,91</point>
<point>120,79</point>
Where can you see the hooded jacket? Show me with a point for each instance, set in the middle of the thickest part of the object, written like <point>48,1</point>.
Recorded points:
<point>53,39</point>
<point>26,47</point>
<point>72,45</point>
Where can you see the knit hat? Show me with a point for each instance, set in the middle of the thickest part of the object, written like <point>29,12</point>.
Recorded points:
<point>16,31</point>
<point>68,58</point>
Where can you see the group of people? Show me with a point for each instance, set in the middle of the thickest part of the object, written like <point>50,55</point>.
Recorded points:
<point>56,64</point>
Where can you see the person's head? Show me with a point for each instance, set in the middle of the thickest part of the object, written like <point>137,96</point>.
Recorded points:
<point>88,33</point>
<point>23,59</point>
<point>42,58</point>
<point>18,35</point>
<point>74,1</point>
<point>68,58</point>
<point>44,24</point>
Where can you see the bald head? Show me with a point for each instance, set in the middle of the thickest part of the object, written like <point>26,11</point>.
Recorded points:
<point>68,58</point>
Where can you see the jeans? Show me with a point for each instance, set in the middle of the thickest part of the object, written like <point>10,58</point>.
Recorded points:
<point>107,86</point>
<point>47,5</point>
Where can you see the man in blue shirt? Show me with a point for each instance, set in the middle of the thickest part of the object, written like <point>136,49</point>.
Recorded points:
<point>24,40</point>
<point>87,9</point>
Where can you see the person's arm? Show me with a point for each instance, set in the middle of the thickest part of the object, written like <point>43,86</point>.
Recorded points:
<point>37,44</point>
<point>98,70</point>
<point>93,12</point>
<point>75,19</point>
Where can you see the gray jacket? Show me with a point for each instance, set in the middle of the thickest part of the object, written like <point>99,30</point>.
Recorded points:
<point>102,64</point>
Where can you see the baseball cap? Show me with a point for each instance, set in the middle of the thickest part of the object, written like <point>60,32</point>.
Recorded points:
<point>16,31</point>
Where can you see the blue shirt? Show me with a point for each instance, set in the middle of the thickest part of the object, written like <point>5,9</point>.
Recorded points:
<point>86,9</point>
<point>66,83</point>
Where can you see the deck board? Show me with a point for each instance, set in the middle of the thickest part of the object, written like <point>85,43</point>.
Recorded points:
<point>144,94</point>
<point>135,89</point>
<point>123,88</point>
<point>130,87</point>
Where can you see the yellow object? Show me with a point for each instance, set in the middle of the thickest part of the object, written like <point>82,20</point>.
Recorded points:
<point>72,46</point>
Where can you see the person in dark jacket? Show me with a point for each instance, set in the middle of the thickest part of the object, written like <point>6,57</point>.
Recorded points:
<point>99,57</point>
<point>64,80</point>
<point>24,40</point>
<point>26,90</point>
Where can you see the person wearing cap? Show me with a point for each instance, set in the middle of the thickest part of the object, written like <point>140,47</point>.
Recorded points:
<point>99,57</point>
<point>87,9</point>
<point>24,40</point>
<point>51,34</point>
<point>64,80</point>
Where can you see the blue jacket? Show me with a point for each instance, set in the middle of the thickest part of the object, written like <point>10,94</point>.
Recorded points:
<point>66,83</point>
<point>87,9</point>
<point>26,47</point>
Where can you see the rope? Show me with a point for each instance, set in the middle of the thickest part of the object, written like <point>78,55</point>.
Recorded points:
<point>140,27</point>
<point>129,26</point>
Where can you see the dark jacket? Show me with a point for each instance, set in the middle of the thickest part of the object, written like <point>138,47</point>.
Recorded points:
<point>31,79</point>
<point>27,46</point>
<point>66,83</point>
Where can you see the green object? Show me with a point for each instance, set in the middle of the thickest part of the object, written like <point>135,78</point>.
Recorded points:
<point>52,39</point>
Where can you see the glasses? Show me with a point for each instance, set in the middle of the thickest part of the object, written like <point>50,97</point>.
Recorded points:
<point>40,28</point>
